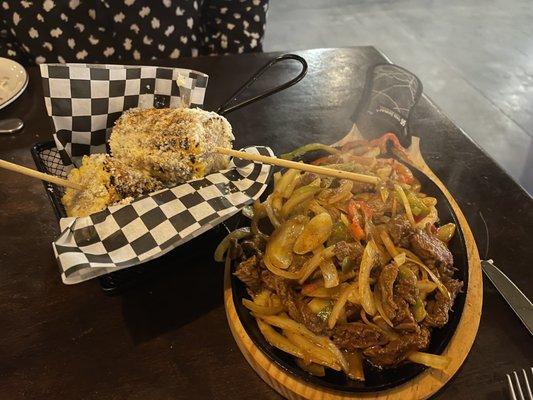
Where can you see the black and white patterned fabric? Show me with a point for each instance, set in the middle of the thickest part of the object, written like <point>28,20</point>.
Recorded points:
<point>126,235</point>
<point>85,100</point>
<point>116,31</point>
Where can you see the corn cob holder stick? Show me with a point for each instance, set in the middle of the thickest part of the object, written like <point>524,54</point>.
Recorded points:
<point>39,175</point>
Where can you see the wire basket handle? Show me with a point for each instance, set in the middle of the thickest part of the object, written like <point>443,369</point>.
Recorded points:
<point>226,107</point>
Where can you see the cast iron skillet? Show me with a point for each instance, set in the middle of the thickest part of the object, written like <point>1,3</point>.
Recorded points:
<point>376,379</point>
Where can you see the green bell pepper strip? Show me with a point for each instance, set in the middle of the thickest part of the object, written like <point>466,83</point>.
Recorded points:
<point>300,151</point>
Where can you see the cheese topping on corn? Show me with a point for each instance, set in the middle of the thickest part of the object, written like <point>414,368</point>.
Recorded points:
<point>106,181</point>
<point>172,145</point>
<point>151,148</point>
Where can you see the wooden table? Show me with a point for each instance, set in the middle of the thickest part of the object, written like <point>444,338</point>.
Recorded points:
<point>168,338</point>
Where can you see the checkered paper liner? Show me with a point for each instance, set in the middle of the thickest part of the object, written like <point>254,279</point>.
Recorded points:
<point>126,235</point>
<point>85,100</point>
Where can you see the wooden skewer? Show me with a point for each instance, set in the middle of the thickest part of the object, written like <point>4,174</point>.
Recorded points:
<point>221,150</point>
<point>39,175</point>
<point>300,166</point>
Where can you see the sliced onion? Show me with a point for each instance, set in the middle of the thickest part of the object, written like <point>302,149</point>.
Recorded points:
<point>339,306</point>
<point>400,258</point>
<point>409,254</point>
<point>280,272</point>
<point>372,324</point>
<point>223,246</point>
<point>270,212</point>
<point>262,310</point>
<point>405,203</point>
<point>319,291</point>
<point>370,256</point>
<point>286,323</point>
<point>389,245</point>
<point>277,177</point>
<point>299,196</point>
<point>390,333</point>
<point>430,360</point>
<point>278,340</point>
<point>355,362</point>
<point>425,286</point>
<point>312,368</point>
<point>433,277</point>
<point>311,265</point>
<point>317,304</point>
<point>353,297</point>
<point>329,272</point>
<point>331,196</point>
<point>285,181</point>
<point>295,183</point>
<point>280,245</point>
<point>316,208</point>
<point>314,234</point>
<point>315,353</point>
<point>263,298</point>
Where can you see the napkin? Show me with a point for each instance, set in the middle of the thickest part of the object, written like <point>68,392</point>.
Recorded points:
<point>126,235</point>
<point>85,100</point>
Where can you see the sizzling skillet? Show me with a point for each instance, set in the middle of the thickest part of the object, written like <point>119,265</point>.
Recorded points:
<point>376,379</point>
<point>465,255</point>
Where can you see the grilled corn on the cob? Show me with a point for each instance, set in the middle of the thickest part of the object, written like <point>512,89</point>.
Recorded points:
<point>151,149</point>
<point>106,181</point>
<point>172,145</point>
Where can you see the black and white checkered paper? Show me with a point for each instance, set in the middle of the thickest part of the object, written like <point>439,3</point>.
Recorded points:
<point>126,235</point>
<point>85,100</point>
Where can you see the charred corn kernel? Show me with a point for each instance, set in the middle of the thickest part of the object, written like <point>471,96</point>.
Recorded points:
<point>105,181</point>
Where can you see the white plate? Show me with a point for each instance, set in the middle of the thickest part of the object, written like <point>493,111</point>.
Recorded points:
<point>13,81</point>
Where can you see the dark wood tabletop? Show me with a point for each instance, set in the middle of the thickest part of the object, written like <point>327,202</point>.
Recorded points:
<point>167,338</point>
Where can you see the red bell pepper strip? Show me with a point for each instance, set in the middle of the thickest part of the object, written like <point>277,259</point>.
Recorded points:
<point>354,143</point>
<point>352,209</point>
<point>356,230</point>
<point>404,173</point>
<point>321,160</point>
<point>365,208</point>
<point>381,142</point>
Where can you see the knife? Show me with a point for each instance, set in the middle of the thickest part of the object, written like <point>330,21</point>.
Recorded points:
<point>518,301</point>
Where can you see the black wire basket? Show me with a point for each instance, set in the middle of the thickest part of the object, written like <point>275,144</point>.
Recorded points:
<point>48,160</point>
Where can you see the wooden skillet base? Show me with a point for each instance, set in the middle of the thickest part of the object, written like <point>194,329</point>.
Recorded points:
<point>425,384</point>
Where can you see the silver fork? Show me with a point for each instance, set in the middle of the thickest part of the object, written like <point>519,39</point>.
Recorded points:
<point>516,388</point>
